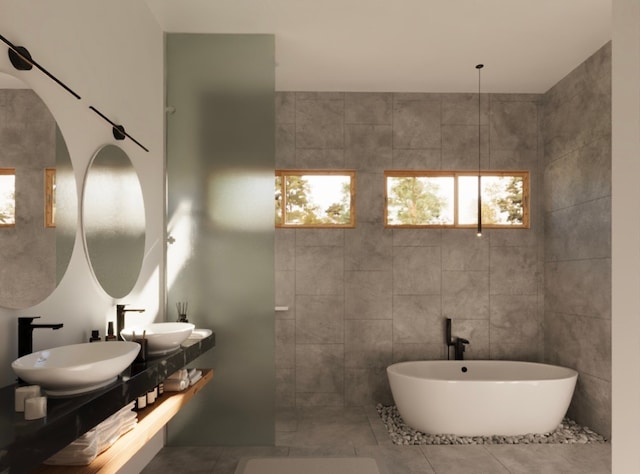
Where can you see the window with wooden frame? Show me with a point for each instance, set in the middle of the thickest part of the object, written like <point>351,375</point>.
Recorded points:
<point>315,198</point>
<point>7,197</point>
<point>450,199</point>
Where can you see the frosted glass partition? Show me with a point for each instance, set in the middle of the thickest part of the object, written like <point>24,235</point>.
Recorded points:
<point>220,164</point>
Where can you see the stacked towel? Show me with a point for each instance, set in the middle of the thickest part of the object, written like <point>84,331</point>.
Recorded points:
<point>87,447</point>
<point>182,379</point>
<point>194,376</point>
<point>177,381</point>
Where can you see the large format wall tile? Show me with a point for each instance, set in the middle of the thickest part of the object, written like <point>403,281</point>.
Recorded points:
<point>417,319</point>
<point>416,271</point>
<point>368,247</point>
<point>460,146</point>
<point>319,319</point>
<point>462,109</point>
<point>579,342</point>
<point>416,123</point>
<point>320,368</point>
<point>514,318</point>
<point>369,198</point>
<point>579,176</point>
<point>579,287</point>
<point>370,296</point>
<point>465,295</point>
<point>513,271</point>
<point>367,147</point>
<point>577,209</point>
<point>514,125</point>
<point>579,232</point>
<point>319,271</point>
<point>463,250</point>
<point>368,343</point>
<point>362,107</point>
<point>427,159</point>
<point>591,404</point>
<point>319,122</point>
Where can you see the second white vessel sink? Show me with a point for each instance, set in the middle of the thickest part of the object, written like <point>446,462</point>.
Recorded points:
<point>162,338</point>
<point>77,368</point>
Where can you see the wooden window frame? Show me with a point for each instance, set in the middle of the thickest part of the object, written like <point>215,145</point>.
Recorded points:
<point>455,174</point>
<point>50,197</point>
<point>318,172</point>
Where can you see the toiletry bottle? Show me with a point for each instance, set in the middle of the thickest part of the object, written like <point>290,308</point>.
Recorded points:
<point>95,336</point>
<point>110,335</point>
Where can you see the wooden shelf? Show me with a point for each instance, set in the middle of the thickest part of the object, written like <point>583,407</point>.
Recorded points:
<point>150,421</point>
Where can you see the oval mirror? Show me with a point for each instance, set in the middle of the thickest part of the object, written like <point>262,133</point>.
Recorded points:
<point>38,198</point>
<point>113,220</point>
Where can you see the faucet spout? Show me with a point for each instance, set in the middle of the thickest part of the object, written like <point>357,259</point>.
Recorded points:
<point>459,348</point>
<point>120,312</point>
<point>458,343</point>
<point>25,333</point>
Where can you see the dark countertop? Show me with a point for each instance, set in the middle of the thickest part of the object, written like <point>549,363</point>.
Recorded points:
<point>24,444</point>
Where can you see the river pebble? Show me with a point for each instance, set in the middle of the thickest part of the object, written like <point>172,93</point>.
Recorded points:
<point>569,432</point>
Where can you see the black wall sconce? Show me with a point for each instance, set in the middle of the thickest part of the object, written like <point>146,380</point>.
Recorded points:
<point>119,132</point>
<point>21,60</point>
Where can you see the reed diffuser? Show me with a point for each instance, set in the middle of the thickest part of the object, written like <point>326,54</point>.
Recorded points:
<point>182,307</point>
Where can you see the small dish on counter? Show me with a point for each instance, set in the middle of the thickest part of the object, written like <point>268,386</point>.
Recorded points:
<point>198,334</point>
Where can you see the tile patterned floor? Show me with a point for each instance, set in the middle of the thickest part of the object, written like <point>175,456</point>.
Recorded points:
<point>329,432</point>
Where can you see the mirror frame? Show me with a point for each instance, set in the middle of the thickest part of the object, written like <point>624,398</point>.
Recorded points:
<point>113,221</point>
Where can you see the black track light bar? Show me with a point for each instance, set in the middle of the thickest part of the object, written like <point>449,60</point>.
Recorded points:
<point>118,130</point>
<point>22,60</point>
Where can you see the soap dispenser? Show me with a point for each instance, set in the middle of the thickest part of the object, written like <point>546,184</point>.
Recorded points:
<point>95,336</point>
<point>110,335</point>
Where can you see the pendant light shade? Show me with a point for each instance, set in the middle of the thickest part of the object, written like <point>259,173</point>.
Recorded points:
<point>479,68</point>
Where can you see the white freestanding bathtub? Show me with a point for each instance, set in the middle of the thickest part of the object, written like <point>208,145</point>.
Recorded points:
<point>481,397</point>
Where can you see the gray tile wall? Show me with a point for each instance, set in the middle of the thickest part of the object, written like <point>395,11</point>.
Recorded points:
<point>360,299</point>
<point>577,205</point>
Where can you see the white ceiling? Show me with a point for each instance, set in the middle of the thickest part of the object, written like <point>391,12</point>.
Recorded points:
<point>408,45</point>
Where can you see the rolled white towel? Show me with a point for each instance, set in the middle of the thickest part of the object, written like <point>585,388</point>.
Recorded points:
<point>197,376</point>
<point>179,375</point>
<point>173,385</point>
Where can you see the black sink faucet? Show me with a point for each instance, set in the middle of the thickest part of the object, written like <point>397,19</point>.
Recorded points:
<point>458,343</point>
<point>120,312</point>
<point>25,333</point>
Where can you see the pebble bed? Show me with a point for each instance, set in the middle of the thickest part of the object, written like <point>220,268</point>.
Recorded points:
<point>569,432</point>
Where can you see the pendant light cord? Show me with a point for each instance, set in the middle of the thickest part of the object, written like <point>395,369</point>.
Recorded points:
<point>479,67</point>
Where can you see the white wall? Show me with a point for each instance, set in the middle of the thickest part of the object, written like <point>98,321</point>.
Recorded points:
<point>111,54</point>
<point>625,236</point>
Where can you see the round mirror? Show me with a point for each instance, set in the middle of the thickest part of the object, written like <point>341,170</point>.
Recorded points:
<point>38,198</point>
<point>113,220</point>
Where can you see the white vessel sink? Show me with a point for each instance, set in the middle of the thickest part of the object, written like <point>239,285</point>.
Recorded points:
<point>162,338</point>
<point>75,369</point>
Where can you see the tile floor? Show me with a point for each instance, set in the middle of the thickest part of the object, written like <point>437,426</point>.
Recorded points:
<point>329,432</point>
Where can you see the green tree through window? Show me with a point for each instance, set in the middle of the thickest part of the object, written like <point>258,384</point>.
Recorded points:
<point>315,198</point>
<point>450,199</point>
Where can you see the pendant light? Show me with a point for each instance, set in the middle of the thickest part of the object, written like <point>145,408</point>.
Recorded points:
<point>479,68</point>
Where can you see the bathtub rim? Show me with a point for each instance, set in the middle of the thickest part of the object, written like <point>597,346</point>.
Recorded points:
<point>564,373</point>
